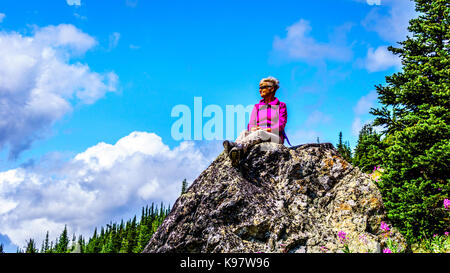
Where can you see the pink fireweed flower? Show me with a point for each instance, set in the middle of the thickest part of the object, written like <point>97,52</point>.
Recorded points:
<point>446,203</point>
<point>384,226</point>
<point>387,250</point>
<point>342,236</point>
<point>446,233</point>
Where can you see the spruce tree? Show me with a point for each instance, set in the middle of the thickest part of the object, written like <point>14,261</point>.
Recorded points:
<point>184,186</point>
<point>31,247</point>
<point>63,242</point>
<point>368,149</point>
<point>344,149</point>
<point>46,243</point>
<point>416,119</point>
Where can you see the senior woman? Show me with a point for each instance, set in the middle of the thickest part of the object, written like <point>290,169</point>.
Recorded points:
<point>267,122</point>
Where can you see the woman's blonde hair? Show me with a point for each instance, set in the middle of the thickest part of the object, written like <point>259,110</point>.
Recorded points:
<point>274,81</point>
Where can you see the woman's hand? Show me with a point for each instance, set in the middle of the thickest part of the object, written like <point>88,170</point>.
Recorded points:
<point>255,128</point>
<point>259,128</point>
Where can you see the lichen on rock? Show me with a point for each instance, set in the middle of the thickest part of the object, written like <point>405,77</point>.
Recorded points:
<point>279,200</point>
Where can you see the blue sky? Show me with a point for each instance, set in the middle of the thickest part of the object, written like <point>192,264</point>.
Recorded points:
<point>87,89</point>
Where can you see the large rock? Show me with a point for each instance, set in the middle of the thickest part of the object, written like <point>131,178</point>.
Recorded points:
<point>280,200</point>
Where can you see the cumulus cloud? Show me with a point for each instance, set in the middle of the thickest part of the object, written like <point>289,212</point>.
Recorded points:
<point>365,103</point>
<point>73,2</point>
<point>357,125</point>
<point>317,117</point>
<point>99,185</point>
<point>362,108</point>
<point>392,27</point>
<point>374,2</point>
<point>300,45</point>
<point>39,83</point>
<point>381,59</point>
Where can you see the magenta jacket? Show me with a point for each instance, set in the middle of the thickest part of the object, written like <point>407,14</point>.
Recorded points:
<point>273,115</point>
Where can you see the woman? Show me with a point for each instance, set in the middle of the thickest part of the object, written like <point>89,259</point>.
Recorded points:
<point>267,122</point>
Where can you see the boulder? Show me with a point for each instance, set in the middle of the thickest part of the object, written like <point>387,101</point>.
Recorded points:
<point>279,199</point>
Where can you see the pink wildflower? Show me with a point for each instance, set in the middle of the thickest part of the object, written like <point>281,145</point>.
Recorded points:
<point>387,250</point>
<point>446,233</point>
<point>342,236</point>
<point>384,226</point>
<point>446,203</point>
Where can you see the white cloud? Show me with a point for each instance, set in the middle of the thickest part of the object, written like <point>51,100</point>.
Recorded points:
<point>361,109</point>
<point>2,16</point>
<point>38,84</point>
<point>317,117</point>
<point>374,2</point>
<point>365,103</point>
<point>73,2</point>
<point>114,40</point>
<point>101,184</point>
<point>381,59</point>
<point>299,45</point>
<point>393,26</point>
<point>357,126</point>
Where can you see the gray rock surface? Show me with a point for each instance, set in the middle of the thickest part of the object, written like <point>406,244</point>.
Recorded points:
<point>280,200</point>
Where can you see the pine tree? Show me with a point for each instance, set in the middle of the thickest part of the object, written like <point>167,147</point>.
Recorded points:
<point>416,119</point>
<point>81,244</point>
<point>184,186</point>
<point>31,247</point>
<point>368,149</point>
<point>344,149</point>
<point>63,242</point>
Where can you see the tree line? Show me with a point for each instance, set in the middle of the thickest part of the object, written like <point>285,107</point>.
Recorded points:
<point>125,237</point>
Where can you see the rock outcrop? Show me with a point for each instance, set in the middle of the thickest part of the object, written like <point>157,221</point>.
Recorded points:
<point>280,200</point>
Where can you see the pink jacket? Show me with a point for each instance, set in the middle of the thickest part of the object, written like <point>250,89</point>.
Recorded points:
<point>273,115</point>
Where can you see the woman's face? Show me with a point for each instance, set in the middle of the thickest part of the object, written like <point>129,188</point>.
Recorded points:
<point>265,89</point>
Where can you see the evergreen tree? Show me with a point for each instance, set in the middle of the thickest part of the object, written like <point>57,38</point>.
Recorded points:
<point>415,115</point>
<point>31,247</point>
<point>45,246</point>
<point>81,245</point>
<point>344,149</point>
<point>184,186</point>
<point>368,149</point>
<point>1,248</point>
<point>63,242</point>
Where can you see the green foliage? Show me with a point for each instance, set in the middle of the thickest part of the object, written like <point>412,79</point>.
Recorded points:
<point>416,116</point>
<point>436,244</point>
<point>368,149</point>
<point>131,237</point>
<point>31,247</point>
<point>63,242</point>
<point>184,186</point>
<point>344,149</point>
